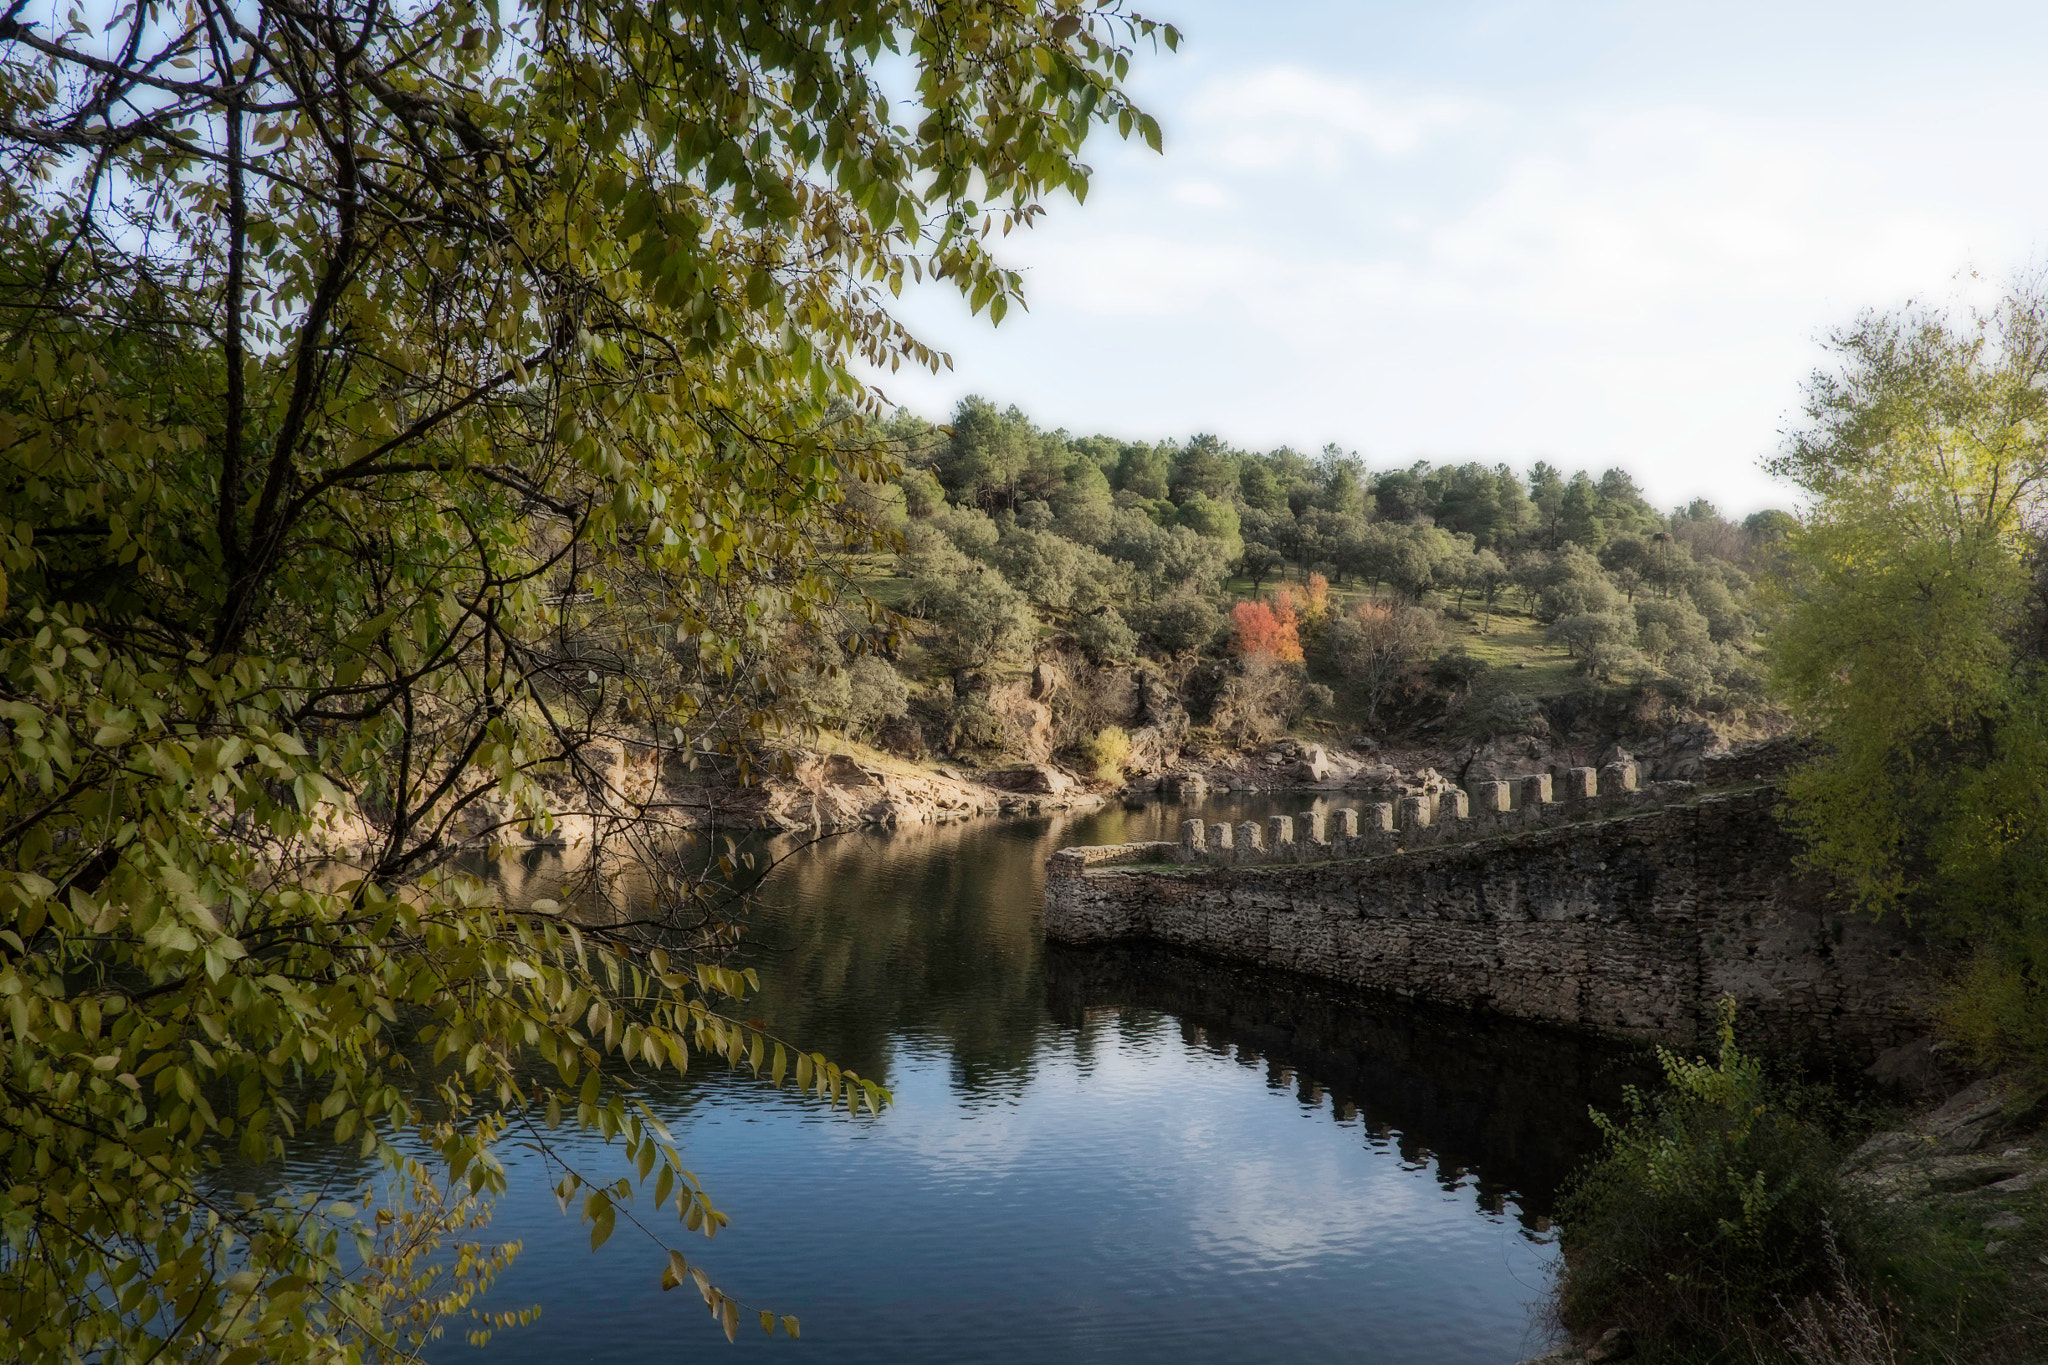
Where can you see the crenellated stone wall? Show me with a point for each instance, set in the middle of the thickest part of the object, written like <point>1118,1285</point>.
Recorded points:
<point>1629,914</point>
<point>1522,803</point>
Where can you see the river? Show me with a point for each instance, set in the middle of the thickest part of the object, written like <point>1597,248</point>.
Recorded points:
<point>1107,1155</point>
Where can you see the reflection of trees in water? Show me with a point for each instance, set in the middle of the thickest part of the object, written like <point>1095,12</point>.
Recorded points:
<point>931,934</point>
<point>1495,1102</point>
<point>928,934</point>
<point>925,936</point>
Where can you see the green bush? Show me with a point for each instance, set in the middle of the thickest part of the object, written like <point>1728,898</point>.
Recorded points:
<point>1504,715</point>
<point>1711,1209</point>
<point>1458,668</point>
<point>1105,637</point>
<point>875,694</point>
<point>975,727</point>
<point>1182,622</point>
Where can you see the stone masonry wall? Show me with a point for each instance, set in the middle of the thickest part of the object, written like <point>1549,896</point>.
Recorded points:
<point>1633,925</point>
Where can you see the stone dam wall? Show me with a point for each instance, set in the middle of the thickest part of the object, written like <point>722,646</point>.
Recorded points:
<point>1629,915</point>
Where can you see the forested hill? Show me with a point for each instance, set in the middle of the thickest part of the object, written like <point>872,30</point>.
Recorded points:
<point>1274,589</point>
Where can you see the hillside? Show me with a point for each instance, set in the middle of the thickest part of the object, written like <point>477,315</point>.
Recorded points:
<point>1131,609</point>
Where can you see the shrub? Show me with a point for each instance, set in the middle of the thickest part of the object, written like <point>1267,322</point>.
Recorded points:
<point>980,618</point>
<point>1256,700</point>
<point>1105,637</point>
<point>922,494</point>
<point>1712,1207</point>
<point>1506,714</point>
<point>1572,583</point>
<point>875,694</point>
<point>1458,668</point>
<point>1181,622</point>
<point>1107,753</point>
<point>974,726</point>
<point>1584,633</point>
<point>1053,571</point>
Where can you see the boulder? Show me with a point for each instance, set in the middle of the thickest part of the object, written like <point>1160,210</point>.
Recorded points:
<point>1614,1344</point>
<point>1969,1116</point>
<point>893,811</point>
<point>1156,746</point>
<point>1030,721</point>
<point>1503,757</point>
<point>1913,1067</point>
<point>1427,782</point>
<point>1032,779</point>
<point>842,771</point>
<point>1957,1175</point>
<point>1314,765</point>
<point>1378,777</point>
<point>903,737</point>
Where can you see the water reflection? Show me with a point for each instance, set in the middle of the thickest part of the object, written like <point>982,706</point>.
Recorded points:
<point>1490,1105</point>
<point>1120,1154</point>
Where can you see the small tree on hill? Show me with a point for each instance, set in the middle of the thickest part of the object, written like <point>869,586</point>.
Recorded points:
<point>1266,628</point>
<point>1376,643</point>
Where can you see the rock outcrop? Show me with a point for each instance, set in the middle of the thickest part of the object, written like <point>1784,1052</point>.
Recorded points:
<point>837,791</point>
<point>1972,1143</point>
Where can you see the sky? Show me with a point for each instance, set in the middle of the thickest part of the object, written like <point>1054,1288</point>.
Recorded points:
<point>1597,234</point>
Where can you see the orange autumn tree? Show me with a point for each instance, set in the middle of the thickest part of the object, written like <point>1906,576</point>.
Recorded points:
<point>1269,628</point>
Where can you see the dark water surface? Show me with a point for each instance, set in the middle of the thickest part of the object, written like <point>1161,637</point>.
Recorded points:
<point>1112,1155</point>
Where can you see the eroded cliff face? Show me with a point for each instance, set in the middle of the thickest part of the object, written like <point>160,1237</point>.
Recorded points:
<point>1633,927</point>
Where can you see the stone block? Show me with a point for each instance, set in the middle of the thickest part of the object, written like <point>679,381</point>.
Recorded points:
<point>1219,843</point>
<point>1581,784</point>
<point>1308,828</point>
<point>1415,812</point>
<point>1495,798</point>
<point>1194,842</point>
<point>1454,805</point>
<point>1617,779</point>
<point>1251,842</point>
<point>1280,835</point>
<point>1536,790</point>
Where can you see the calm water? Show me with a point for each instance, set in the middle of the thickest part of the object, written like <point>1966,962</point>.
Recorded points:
<point>1113,1155</point>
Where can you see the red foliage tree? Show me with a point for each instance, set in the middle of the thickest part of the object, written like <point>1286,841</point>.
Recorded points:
<point>1271,630</point>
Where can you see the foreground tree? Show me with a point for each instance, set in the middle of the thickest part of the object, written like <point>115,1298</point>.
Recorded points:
<point>1912,639</point>
<point>419,426</point>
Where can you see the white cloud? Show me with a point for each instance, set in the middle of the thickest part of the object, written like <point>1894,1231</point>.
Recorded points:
<point>1203,194</point>
<point>1282,117</point>
<point>1632,281</point>
<point>1663,208</point>
<point>1133,274</point>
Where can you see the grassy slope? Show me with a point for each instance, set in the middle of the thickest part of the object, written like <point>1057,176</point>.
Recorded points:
<point>1514,645</point>
<point>1509,641</point>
